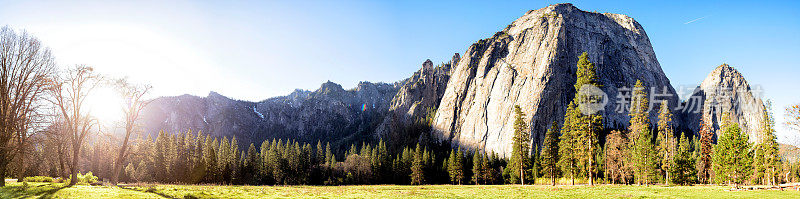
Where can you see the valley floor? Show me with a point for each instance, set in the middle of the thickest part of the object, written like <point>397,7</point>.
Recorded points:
<point>48,190</point>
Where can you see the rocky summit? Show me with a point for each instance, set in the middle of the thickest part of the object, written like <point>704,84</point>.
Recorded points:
<point>416,102</point>
<point>468,100</point>
<point>726,91</point>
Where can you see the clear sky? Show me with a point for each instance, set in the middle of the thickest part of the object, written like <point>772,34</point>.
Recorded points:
<point>260,49</point>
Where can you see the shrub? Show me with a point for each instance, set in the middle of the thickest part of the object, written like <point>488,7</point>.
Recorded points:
<point>37,179</point>
<point>87,178</point>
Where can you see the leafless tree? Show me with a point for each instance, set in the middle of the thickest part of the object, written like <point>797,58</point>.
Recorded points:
<point>134,103</point>
<point>56,140</point>
<point>24,69</point>
<point>793,117</point>
<point>69,91</point>
<point>618,166</point>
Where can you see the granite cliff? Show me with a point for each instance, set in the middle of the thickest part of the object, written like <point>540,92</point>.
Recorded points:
<point>532,63</point>
<point>726,91</point>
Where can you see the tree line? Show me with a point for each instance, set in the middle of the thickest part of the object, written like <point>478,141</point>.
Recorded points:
<point>199,158</point>
<point>45,130</point>
<point>645,154</point>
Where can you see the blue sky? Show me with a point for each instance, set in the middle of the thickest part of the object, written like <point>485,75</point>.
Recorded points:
<point>260,49</point>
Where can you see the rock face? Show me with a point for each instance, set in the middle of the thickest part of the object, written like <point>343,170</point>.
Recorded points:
<point>726,90</point>
<point>415,101</point>
<point>532,63</point>
<point>468,102</point>
<point>330,113</point>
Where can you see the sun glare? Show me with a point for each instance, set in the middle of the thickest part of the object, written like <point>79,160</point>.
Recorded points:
<point>105,104</point>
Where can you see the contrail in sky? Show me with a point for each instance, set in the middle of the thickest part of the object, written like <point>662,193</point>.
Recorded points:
<point>688,22</point>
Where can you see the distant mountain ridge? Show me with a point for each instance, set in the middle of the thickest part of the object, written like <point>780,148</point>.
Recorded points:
<point>467,101</point>
<point>329,113</point>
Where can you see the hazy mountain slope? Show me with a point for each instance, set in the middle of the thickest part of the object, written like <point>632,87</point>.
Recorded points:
<point>330,113</point>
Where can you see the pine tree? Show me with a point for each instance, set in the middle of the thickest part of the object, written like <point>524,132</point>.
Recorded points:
<point>568,143</point>
<point>587,124</point>
<point>549,154</point>
<point>704,151</point>
<point>200,167</point>
<point>210,158</point>
<point>251,160</point>
<point>477,168</point>
<point>643,152</point>
<point>223,157</point>
<point>521,145</point>
<point>232,159</point>
<point>486,172</point>
<point>769,146</point>
<point>451,166</point>
<point>665,141</point>
<point>683,171</point>
<point>319,155</point>
<point>329,154</point>
<point>534,168</point>
<point>160,152</point>
<point>759,169</point>
<point>459,166</point>
<point>426,162</point>
<point>384,162</point>
<point>455,166</point>
<point>732,162</point>
<point>417,167</point>
<point>263,168</point>
<point>277,161</point>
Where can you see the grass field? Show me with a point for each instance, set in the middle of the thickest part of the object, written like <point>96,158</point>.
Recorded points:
<point>48,190</point>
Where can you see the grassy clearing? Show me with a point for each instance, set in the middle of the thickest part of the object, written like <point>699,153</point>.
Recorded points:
<point>55,190</point>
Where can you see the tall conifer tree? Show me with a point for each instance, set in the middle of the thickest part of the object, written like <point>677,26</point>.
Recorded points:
<point>666,142</point>
<point>642,151</point>
<point>588,124</point>
<point>521,145</point>
<point>417,167</point>
<point>549,154</point>
<point>568,162</point>
<point>769,146</point>
<point>732,158</point>
<point>683,171</point>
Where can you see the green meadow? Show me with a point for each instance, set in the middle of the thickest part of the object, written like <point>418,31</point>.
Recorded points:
<point>57,190</point>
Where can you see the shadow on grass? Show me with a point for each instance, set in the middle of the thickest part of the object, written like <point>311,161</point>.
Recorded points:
<point>147,190</point>
<point>40,191</point>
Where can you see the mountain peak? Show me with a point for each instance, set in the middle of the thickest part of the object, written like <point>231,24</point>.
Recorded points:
<point>725,68</point>
<point>559,7</point>
<point>562,6</point>
<point>330,87</point>
<point>214,94</point>
<point>728,91</point>
<point>726,73</point>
